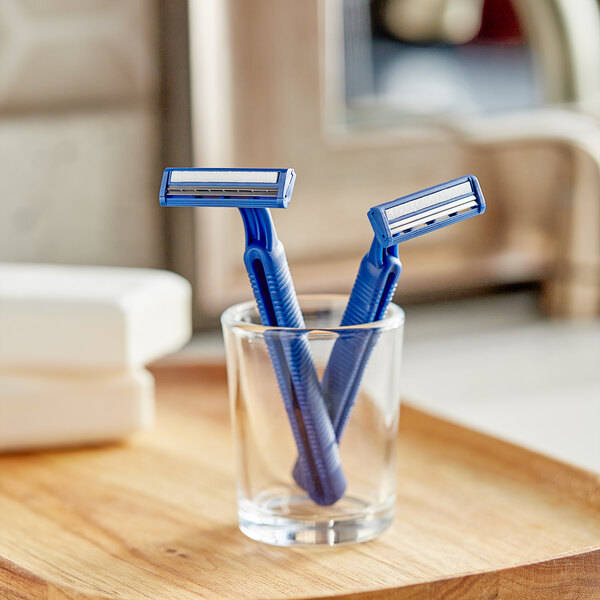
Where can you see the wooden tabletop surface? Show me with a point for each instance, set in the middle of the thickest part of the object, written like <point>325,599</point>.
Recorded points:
<point>155,517</point>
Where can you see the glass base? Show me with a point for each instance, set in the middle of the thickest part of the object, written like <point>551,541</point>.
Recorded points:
<point>269,520</point>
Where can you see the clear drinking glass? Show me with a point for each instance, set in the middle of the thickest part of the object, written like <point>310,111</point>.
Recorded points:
<point>272,507</point>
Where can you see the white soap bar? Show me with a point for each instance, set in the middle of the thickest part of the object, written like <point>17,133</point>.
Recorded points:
<point>48,410</point>
<point>90,317</point>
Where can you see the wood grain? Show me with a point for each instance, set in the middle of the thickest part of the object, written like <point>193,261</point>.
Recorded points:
<point>156,518</point>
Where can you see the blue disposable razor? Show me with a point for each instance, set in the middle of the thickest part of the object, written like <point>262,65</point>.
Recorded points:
<point>253,192</point>
<point>393,222</point>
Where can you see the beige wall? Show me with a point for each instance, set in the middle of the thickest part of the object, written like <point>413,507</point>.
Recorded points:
<point>79,132</point>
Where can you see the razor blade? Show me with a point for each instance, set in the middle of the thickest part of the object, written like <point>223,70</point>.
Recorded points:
<point>239,188</point>
<point>433,208</point>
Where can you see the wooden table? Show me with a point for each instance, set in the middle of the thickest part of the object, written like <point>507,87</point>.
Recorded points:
<point>155,518</point>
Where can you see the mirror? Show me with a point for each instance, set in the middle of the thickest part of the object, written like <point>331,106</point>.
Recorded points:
<point>424,58</point>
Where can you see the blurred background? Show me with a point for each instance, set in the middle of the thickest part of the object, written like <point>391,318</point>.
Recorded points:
<point>367,100</point>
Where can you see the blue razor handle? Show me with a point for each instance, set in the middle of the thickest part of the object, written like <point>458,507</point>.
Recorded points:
<point>371,294</point>
<point>319,468</point>
<point>253,192</point>
<point>393,222</point>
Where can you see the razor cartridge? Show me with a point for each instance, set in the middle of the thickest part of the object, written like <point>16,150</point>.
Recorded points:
<point>239,188</point>
<point>433,208</point>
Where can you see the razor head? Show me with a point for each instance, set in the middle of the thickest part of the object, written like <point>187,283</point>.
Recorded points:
<point>241,188</point>
<point>433,208</point>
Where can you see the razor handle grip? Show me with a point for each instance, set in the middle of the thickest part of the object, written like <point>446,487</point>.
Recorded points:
<point>371,294</point>
<point>320,471</point>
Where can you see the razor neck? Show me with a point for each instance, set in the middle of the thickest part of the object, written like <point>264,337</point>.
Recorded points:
<point>259,227</point>
<point>378,255</point>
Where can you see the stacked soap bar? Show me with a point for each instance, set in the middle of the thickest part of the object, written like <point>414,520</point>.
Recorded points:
<point>73,345</point>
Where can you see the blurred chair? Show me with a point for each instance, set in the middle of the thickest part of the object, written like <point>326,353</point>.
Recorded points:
<point>286,83</point>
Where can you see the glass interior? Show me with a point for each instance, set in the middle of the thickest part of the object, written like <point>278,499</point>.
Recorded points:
<point>273,504</point>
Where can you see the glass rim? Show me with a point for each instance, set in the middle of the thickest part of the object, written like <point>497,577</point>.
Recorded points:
<point>231,317</point>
